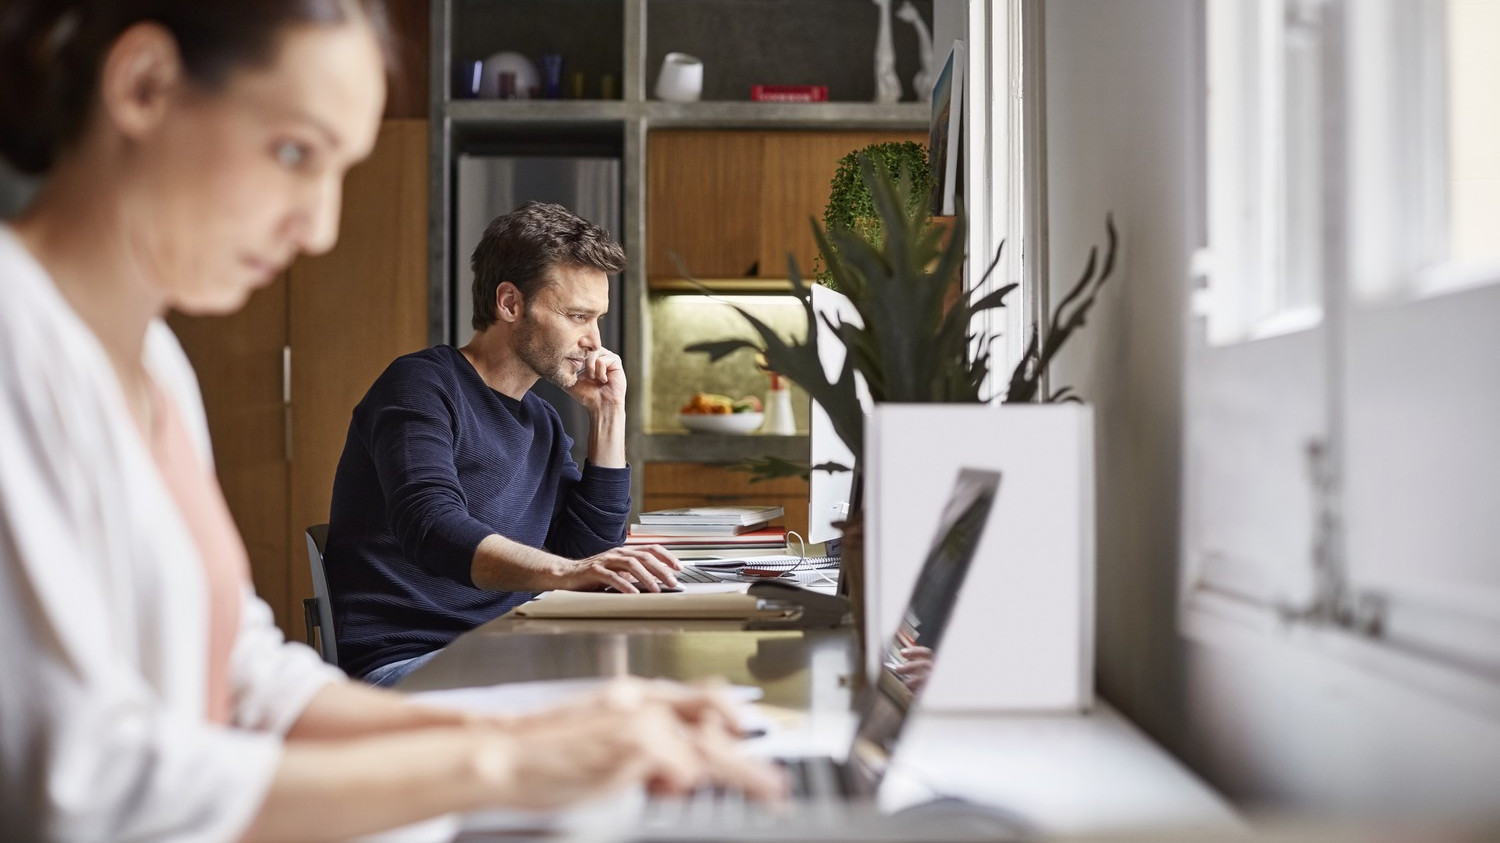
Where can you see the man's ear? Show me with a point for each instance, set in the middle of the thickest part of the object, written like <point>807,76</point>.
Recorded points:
<point>141,73</point>
<point>509,303</point>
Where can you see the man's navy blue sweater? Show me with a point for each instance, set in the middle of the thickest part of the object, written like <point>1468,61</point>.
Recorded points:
<point>434,462</point>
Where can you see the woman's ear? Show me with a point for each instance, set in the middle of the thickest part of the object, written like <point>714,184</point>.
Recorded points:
<point>141,72</point>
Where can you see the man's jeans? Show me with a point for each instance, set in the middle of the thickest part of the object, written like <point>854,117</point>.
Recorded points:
<point>388,675</point>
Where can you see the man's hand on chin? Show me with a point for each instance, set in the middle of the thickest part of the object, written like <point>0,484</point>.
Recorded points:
<point>601,381</point>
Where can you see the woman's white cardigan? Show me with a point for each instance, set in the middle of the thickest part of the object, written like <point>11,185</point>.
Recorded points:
<point>103,608</point>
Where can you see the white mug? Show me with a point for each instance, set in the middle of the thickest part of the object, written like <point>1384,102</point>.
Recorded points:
<point>681,78</point>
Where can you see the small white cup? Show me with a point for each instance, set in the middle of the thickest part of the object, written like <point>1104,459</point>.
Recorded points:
<point>681,78</point>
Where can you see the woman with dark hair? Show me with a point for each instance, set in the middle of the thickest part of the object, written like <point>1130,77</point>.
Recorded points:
<point>191,150</point>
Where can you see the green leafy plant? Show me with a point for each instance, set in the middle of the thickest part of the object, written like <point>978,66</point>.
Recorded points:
<point>1068,317</point>
<point>851,205</point>
<point>914,341</point>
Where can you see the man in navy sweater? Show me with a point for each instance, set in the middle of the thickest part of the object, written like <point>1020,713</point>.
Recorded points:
<point>456,497</point>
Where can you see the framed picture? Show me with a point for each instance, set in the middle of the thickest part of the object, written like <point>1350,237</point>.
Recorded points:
<point>945,135</point>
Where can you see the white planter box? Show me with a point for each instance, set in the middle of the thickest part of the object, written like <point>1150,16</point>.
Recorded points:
<point>1022,634</point>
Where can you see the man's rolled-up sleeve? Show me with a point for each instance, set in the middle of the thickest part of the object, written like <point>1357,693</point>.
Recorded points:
<point>592,512</point>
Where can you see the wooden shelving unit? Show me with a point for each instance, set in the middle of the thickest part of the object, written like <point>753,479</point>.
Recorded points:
<point>695,115</point>
<point>627,125</point>
<point>691,447</point>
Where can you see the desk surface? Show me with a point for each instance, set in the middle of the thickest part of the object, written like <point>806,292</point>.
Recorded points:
<point>1065,774</point>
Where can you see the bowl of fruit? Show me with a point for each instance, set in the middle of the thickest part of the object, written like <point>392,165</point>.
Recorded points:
<point>707,412</point>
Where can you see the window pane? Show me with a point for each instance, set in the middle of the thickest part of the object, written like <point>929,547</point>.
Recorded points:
<point>1265,168</point>
<point>1298,286</point>
<point>1474,130</point>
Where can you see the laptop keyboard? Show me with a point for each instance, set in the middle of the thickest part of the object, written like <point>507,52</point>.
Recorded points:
<point>817,777</point>
<point>690,573</point>
<point>812,781</point>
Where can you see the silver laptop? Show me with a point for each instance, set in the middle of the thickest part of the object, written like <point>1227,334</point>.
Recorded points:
<point>825,787</point>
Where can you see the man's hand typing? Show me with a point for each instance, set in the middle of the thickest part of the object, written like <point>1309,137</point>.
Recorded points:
<point>504,565</point>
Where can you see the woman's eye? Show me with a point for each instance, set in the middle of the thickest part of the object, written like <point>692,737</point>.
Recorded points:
<point>290,154</point>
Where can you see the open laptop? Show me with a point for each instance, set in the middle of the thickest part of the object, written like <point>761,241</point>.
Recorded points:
<point>821,784</point>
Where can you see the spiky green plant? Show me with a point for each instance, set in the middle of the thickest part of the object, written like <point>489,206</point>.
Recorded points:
<point>908,347</point>
<point>1071,312</point>
<point>912,344</point>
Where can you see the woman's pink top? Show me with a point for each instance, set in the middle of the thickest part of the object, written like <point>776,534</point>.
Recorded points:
<point>226,565</point>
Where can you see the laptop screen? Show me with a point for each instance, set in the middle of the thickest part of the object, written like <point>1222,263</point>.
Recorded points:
<point>909,656</point>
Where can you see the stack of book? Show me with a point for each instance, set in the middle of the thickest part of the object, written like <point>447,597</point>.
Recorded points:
<point>709,527</point>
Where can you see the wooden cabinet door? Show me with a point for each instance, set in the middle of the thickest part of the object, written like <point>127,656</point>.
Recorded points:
<point>799,167</point>
<point>726,201</point>
<point>238,359</point>
<point>342,317</point>
<point>702,202</point>
<point>674,484</point>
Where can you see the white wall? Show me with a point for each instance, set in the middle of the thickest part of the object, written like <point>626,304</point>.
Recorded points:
<point>949,23</point>
<point>1119,98</point>
<point>1269,721</point>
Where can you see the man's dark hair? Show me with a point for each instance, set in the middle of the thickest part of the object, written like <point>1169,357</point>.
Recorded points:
<point>524,245</point>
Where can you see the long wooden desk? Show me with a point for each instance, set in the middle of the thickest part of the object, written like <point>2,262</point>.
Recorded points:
<point>1064,774</point>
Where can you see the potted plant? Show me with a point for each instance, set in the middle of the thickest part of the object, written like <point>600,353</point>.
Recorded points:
<point>909,345</point>
<point>912,343</point>
<point>851,206</point>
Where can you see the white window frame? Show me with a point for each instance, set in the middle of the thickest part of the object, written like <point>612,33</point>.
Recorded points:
<point>1383,222</point>
<point>1399,104</point>
<point>1260,270</point>
<point>998,172</point>
<point>1258,371</point>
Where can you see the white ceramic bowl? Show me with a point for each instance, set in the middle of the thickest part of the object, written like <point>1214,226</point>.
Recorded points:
<point>721,422</point>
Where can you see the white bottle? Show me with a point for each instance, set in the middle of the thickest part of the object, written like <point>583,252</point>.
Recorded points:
<point>779,419</point>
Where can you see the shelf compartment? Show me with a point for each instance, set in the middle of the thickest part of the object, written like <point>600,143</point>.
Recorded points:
<point>780,42</point>
<point>724,201</point>
<point>675,375</point>
<point>585,32</point>
<point>671,484</point>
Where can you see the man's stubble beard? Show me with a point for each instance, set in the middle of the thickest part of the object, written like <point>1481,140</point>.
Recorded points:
<point>550,364</point>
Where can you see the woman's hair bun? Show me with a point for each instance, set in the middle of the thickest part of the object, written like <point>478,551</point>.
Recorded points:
<point>39,78</point>
<point>51,52</point>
